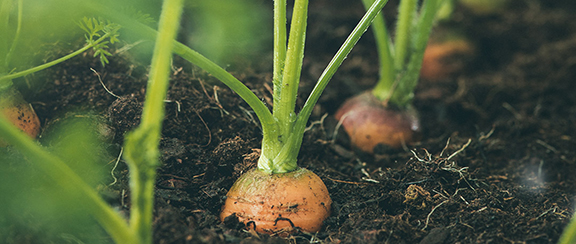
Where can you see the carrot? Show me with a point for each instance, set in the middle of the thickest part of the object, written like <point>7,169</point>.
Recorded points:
<point>279,196</point>
<point>384,115</point>
<point>443,57</point>
<point>301,199</point>
<point>368,122</point>
<point>19,112</point>
<point>279,203</point>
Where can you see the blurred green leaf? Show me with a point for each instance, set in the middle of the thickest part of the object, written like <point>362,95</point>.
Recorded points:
<point>224,30</point>
<point>34,208</point>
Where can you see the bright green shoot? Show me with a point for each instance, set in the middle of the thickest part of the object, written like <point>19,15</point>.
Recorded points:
<point>141,145</point>
<point>400,62</point>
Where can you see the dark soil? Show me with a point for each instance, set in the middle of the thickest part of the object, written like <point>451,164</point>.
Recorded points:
<point>514,102</point>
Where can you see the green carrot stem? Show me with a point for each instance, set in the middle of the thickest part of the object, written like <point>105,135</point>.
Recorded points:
<point>285,95</point>
<point>279,45</point>
<point>404,92</point>
<point>66,178</point>
<point>141,146</point>
<point>229,80</point>
<point>407,10</point>
<point>153,112</point>
<point>54,62</point>
<point>384,46</point>
<point>284,110</point>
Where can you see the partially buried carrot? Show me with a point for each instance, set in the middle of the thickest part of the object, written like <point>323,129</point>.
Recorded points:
<point>385,115</point>
<point>19,112</point>
<point>279,203</point>
<point>446,55</point>
<point>278,197</point>
<point>369,122</point>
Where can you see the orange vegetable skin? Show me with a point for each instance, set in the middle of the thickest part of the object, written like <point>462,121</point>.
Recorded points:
<point>19,112</point>
<point>279,203</point>
<point>368,122</point>
<point>441,59</point>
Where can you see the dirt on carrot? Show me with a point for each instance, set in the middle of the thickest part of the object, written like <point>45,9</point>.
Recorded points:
<point>278,203</point>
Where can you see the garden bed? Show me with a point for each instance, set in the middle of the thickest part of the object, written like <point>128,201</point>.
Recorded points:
<point>514,102</point>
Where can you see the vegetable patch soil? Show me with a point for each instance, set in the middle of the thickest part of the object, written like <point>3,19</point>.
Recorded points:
<point>495,162</point>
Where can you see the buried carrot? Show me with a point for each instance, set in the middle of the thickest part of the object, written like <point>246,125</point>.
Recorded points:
<point>368,122</point>
<point>282,129</point>
<point>19,112</point>
<point>445,53</point>
<point>279,203</point>
<point>278,197</point>
<point>385,114</point>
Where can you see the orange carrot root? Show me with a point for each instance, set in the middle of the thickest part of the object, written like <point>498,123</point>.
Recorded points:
<point>279,203</point>
<point>442,59</point>
<point>19,112</point>
<point>369,123</point>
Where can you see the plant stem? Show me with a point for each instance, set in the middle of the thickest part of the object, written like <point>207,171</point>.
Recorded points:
<point>383,87</point>
<point>141,146</point>
<point>54,62</point>
<point>407,10</point>
<point>284,110</point>
<point>404,92</point>
<point>56,169</point>
<point>229,80</point>
<point>285,99</point>
<point>279,46</point>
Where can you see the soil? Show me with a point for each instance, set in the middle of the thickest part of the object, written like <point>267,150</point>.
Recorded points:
<point>495,163</point>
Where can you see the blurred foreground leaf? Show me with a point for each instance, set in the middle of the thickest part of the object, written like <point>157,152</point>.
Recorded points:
<point>34,208</point>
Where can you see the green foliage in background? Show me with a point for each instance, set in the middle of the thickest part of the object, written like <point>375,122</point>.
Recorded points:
<point>224,30</point>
